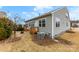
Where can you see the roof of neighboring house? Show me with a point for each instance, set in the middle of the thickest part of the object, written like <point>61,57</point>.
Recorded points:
<point>74,21</point>
<point>2,14</point>
<point>44,15</point>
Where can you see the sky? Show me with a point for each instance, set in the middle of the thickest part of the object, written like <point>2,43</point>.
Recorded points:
<point>27,12</point>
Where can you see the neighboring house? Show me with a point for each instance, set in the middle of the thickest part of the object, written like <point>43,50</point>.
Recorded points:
<point>3,14</point>
<point>75,23</point>
<point>54,22</point>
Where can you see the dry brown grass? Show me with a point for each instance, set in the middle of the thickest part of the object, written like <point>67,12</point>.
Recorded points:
<point>68,41</point>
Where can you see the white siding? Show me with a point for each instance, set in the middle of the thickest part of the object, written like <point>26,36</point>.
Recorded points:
<point>36,23</point>
<point>51,23</point>
<point>48,27</point>
<point>61,14</point>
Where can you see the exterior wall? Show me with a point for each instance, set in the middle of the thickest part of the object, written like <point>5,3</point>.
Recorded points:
<point>48,28</point>
<point>51,23</point>
<point>48,21</point>
<point>64,21</point>
<point>30,24</point>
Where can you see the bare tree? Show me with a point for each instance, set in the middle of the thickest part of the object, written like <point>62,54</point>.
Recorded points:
<point>15,25</point>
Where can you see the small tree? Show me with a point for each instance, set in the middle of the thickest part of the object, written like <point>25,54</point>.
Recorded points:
<point>5,28</point>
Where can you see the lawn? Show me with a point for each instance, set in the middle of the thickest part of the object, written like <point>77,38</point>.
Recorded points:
<point>68,41</point>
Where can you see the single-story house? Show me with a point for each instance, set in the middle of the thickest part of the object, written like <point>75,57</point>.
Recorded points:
<point>53,23</point>
<point>74,23</point>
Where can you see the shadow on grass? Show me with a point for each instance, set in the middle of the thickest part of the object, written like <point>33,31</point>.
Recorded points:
<point>13,39</point>
<point>70,31</point>
<point>10,40</point>
<point>49,41</point>
<point>63,41</point>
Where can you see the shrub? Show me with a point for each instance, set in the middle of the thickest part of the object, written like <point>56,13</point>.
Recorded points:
<point>8,31</point>
<point>20,28</point>
<point>5,28</point>
<point>3,34</point>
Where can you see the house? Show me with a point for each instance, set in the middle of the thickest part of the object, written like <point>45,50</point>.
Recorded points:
<point>75,23</point>
<point>53,23</point>
<point>3,14</point>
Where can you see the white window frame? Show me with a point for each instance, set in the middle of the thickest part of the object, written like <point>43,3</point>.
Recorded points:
<point>57,23</point>
<point>41,22</point>
<point>67,15</point>
<point>40,25</point>
<point>44,23</point>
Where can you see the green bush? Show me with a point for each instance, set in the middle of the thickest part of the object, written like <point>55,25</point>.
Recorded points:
<point>20,28</point>
<point>3,34</point>
<point>5,28</point>
<point>8,31</point>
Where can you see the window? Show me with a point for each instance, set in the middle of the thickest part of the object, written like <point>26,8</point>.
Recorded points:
<point>57,22</point>
<point>43,23</point>
<point>40,23</point>
<point>67,15</point>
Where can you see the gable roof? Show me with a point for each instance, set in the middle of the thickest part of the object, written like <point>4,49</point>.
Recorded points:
<point>44,15</point>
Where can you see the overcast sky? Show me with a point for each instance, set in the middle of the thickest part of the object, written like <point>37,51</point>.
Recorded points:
<point>27,12</point>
